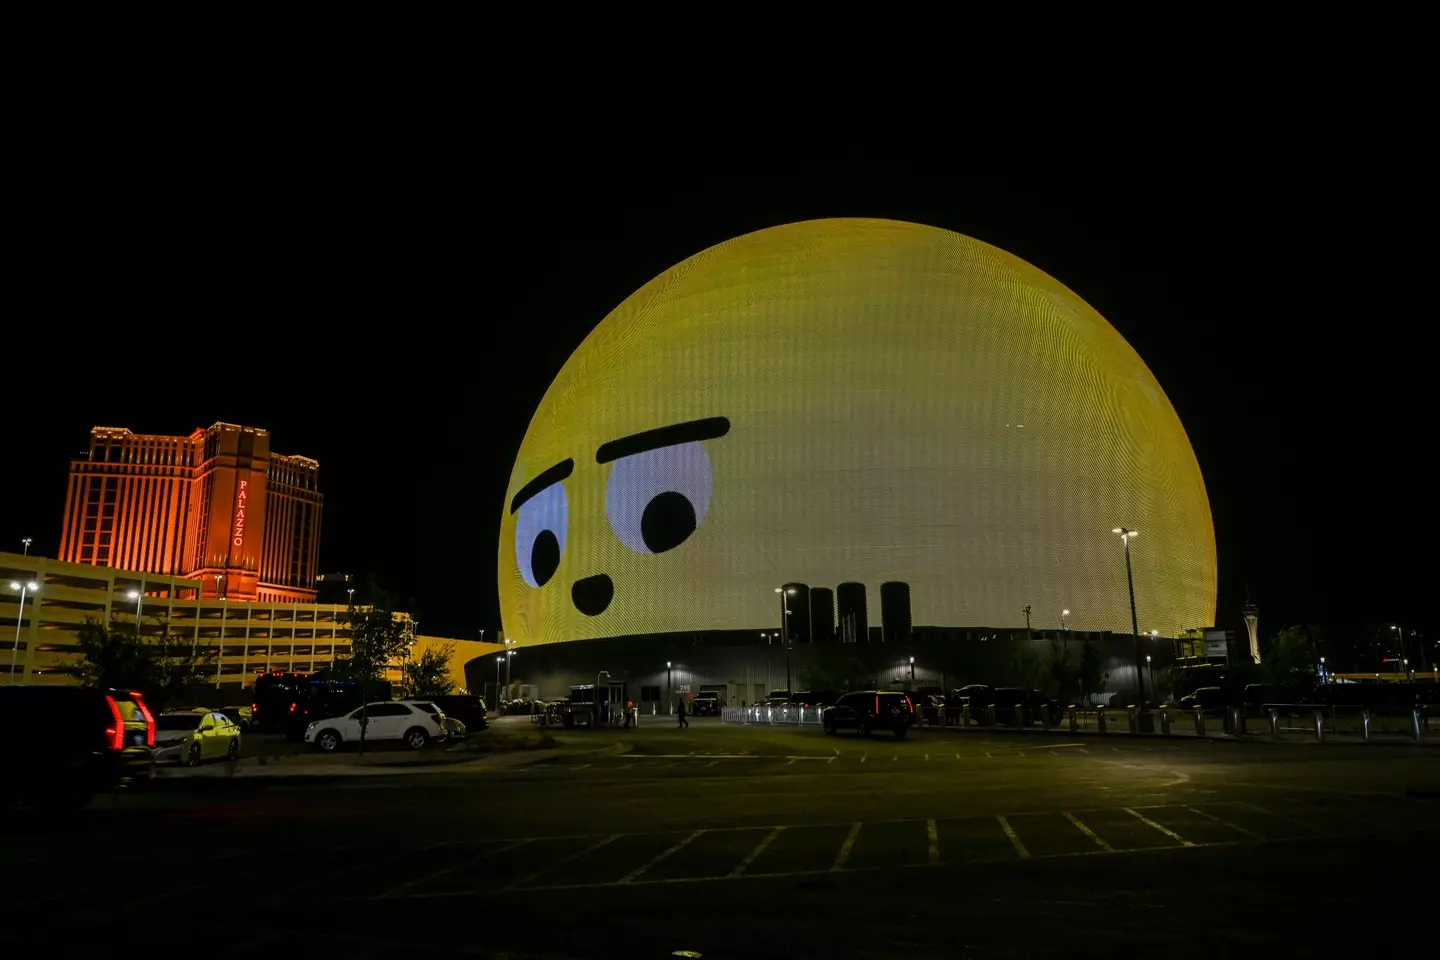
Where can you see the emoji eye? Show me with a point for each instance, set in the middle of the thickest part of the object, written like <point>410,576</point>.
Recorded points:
<point>655,500</point>
<point>540,534</point>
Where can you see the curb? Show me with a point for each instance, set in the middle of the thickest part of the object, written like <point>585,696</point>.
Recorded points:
<point>251,769</point>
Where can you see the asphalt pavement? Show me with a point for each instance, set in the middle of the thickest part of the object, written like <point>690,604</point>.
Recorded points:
<point>755,841</point>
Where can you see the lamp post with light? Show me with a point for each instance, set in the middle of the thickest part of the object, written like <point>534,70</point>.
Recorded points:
<point>912,672</point>
<point>497,682</point>
<point>1063,615</point>
<point>669,689</point>
<point>785,594</point>
<point>1151,667</point>
<point>24,587</point>
<point>1127,535</point>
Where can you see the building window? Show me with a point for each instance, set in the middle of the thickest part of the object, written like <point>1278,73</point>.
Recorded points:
<point>650,693</point>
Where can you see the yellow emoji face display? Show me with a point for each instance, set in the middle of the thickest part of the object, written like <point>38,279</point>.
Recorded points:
<point>852,401</point>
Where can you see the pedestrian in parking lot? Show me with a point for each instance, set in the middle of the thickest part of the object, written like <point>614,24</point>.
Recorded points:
<point>629,713</point>
<point>680,712</point>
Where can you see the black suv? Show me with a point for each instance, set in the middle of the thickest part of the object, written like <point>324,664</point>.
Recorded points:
<point>465,707</point>
<point>83,741</point>
<point>868,711</point>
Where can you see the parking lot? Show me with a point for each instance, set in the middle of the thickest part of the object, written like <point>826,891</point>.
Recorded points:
<point>674,837</point>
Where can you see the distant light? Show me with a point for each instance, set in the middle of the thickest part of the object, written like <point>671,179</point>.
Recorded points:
<point>133,595</point>
<point>667,662</point>
<point>912,659</point>
<point>1064,613</point>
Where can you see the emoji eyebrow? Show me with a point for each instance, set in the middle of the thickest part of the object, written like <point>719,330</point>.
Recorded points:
<point>552,476</point>
<point>707,429</point>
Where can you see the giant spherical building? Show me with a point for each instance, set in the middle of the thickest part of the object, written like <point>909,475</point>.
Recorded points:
<point>856,401</point>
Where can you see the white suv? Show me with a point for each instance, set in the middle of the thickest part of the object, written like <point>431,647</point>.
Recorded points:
<point>416,722</point>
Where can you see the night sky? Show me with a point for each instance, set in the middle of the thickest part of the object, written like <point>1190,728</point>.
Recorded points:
<point>400,326</point>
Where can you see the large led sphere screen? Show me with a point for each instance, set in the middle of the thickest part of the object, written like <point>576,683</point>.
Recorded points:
<point>852,401</point>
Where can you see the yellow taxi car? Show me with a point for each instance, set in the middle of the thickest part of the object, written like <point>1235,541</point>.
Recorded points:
<point>194,736</point>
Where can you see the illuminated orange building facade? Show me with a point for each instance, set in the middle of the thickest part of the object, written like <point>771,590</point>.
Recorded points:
<point>215,506</point>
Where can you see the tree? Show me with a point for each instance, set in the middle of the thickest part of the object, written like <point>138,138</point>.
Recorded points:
<point>1027,668</point>
<point>160,667</point>
<point>1089,673</point>
<point>428,675</point>
<point>377,639</point>
<point>1063,673</point>
<point>1289,658</point>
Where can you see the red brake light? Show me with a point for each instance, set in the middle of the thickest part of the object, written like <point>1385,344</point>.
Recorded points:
<point>116,733</point>
<point>909,703</point>
<point>149,721</point>
<point>877,704</point>
<point>292,708</point>
<point>254,708</point>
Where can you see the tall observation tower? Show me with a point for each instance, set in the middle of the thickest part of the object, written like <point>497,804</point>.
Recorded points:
<point>1252,627</point>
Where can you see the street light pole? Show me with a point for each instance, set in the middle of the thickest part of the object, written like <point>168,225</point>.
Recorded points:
<point>785,629</point>
<point>669,689</point>
<point>32,587</point>
<point>1126,535</point>
<point>1063,615</point>
<point>497,682</point>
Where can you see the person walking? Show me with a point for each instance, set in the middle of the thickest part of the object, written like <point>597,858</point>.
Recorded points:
<point>629,713</point>
<point>680,712</point>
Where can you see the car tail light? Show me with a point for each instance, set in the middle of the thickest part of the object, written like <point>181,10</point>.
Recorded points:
<point>877,705</point>
<point>254,708</point>
<point>292,708</point>
<point>149,721</point>
<point>909,703</point>
<point>116,732</point>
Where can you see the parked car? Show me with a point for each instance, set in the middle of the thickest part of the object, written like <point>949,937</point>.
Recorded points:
<point>92,741</point>
<point>1206,698</point>
<point>868,711</point>
<point>1033,704</point>
<point>465,707</point>
<point>240,715</point>
<point>399,720</point>
<point>455,729</point>
<point>977,696</point>
<point>194,736</point>
<point>931,707</point>
<point>705,704</point>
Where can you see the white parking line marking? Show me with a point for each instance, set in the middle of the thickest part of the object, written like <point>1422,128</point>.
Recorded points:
<point>459,865</point>
<point>1014,838</point>
<point>933,834</point>
<point>564,860</point>
<point>769,839</point>
<point>679,846</point>
<point>1151,823</point>
<point>1087,831</point>
<point>1226,823</point>
<point>1278,816</point>
<point>845,847</point>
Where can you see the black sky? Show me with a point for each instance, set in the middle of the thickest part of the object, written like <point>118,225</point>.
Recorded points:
<point>399,324</point>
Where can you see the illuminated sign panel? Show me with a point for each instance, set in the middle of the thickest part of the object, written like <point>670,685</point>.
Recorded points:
<point>852,402</point>
<point>240,514</point>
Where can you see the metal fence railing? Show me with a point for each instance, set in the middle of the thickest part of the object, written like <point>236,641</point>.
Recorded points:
<point>1273,720</point>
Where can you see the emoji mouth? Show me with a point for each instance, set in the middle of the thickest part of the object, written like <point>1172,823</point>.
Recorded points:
<point>593,594</point>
